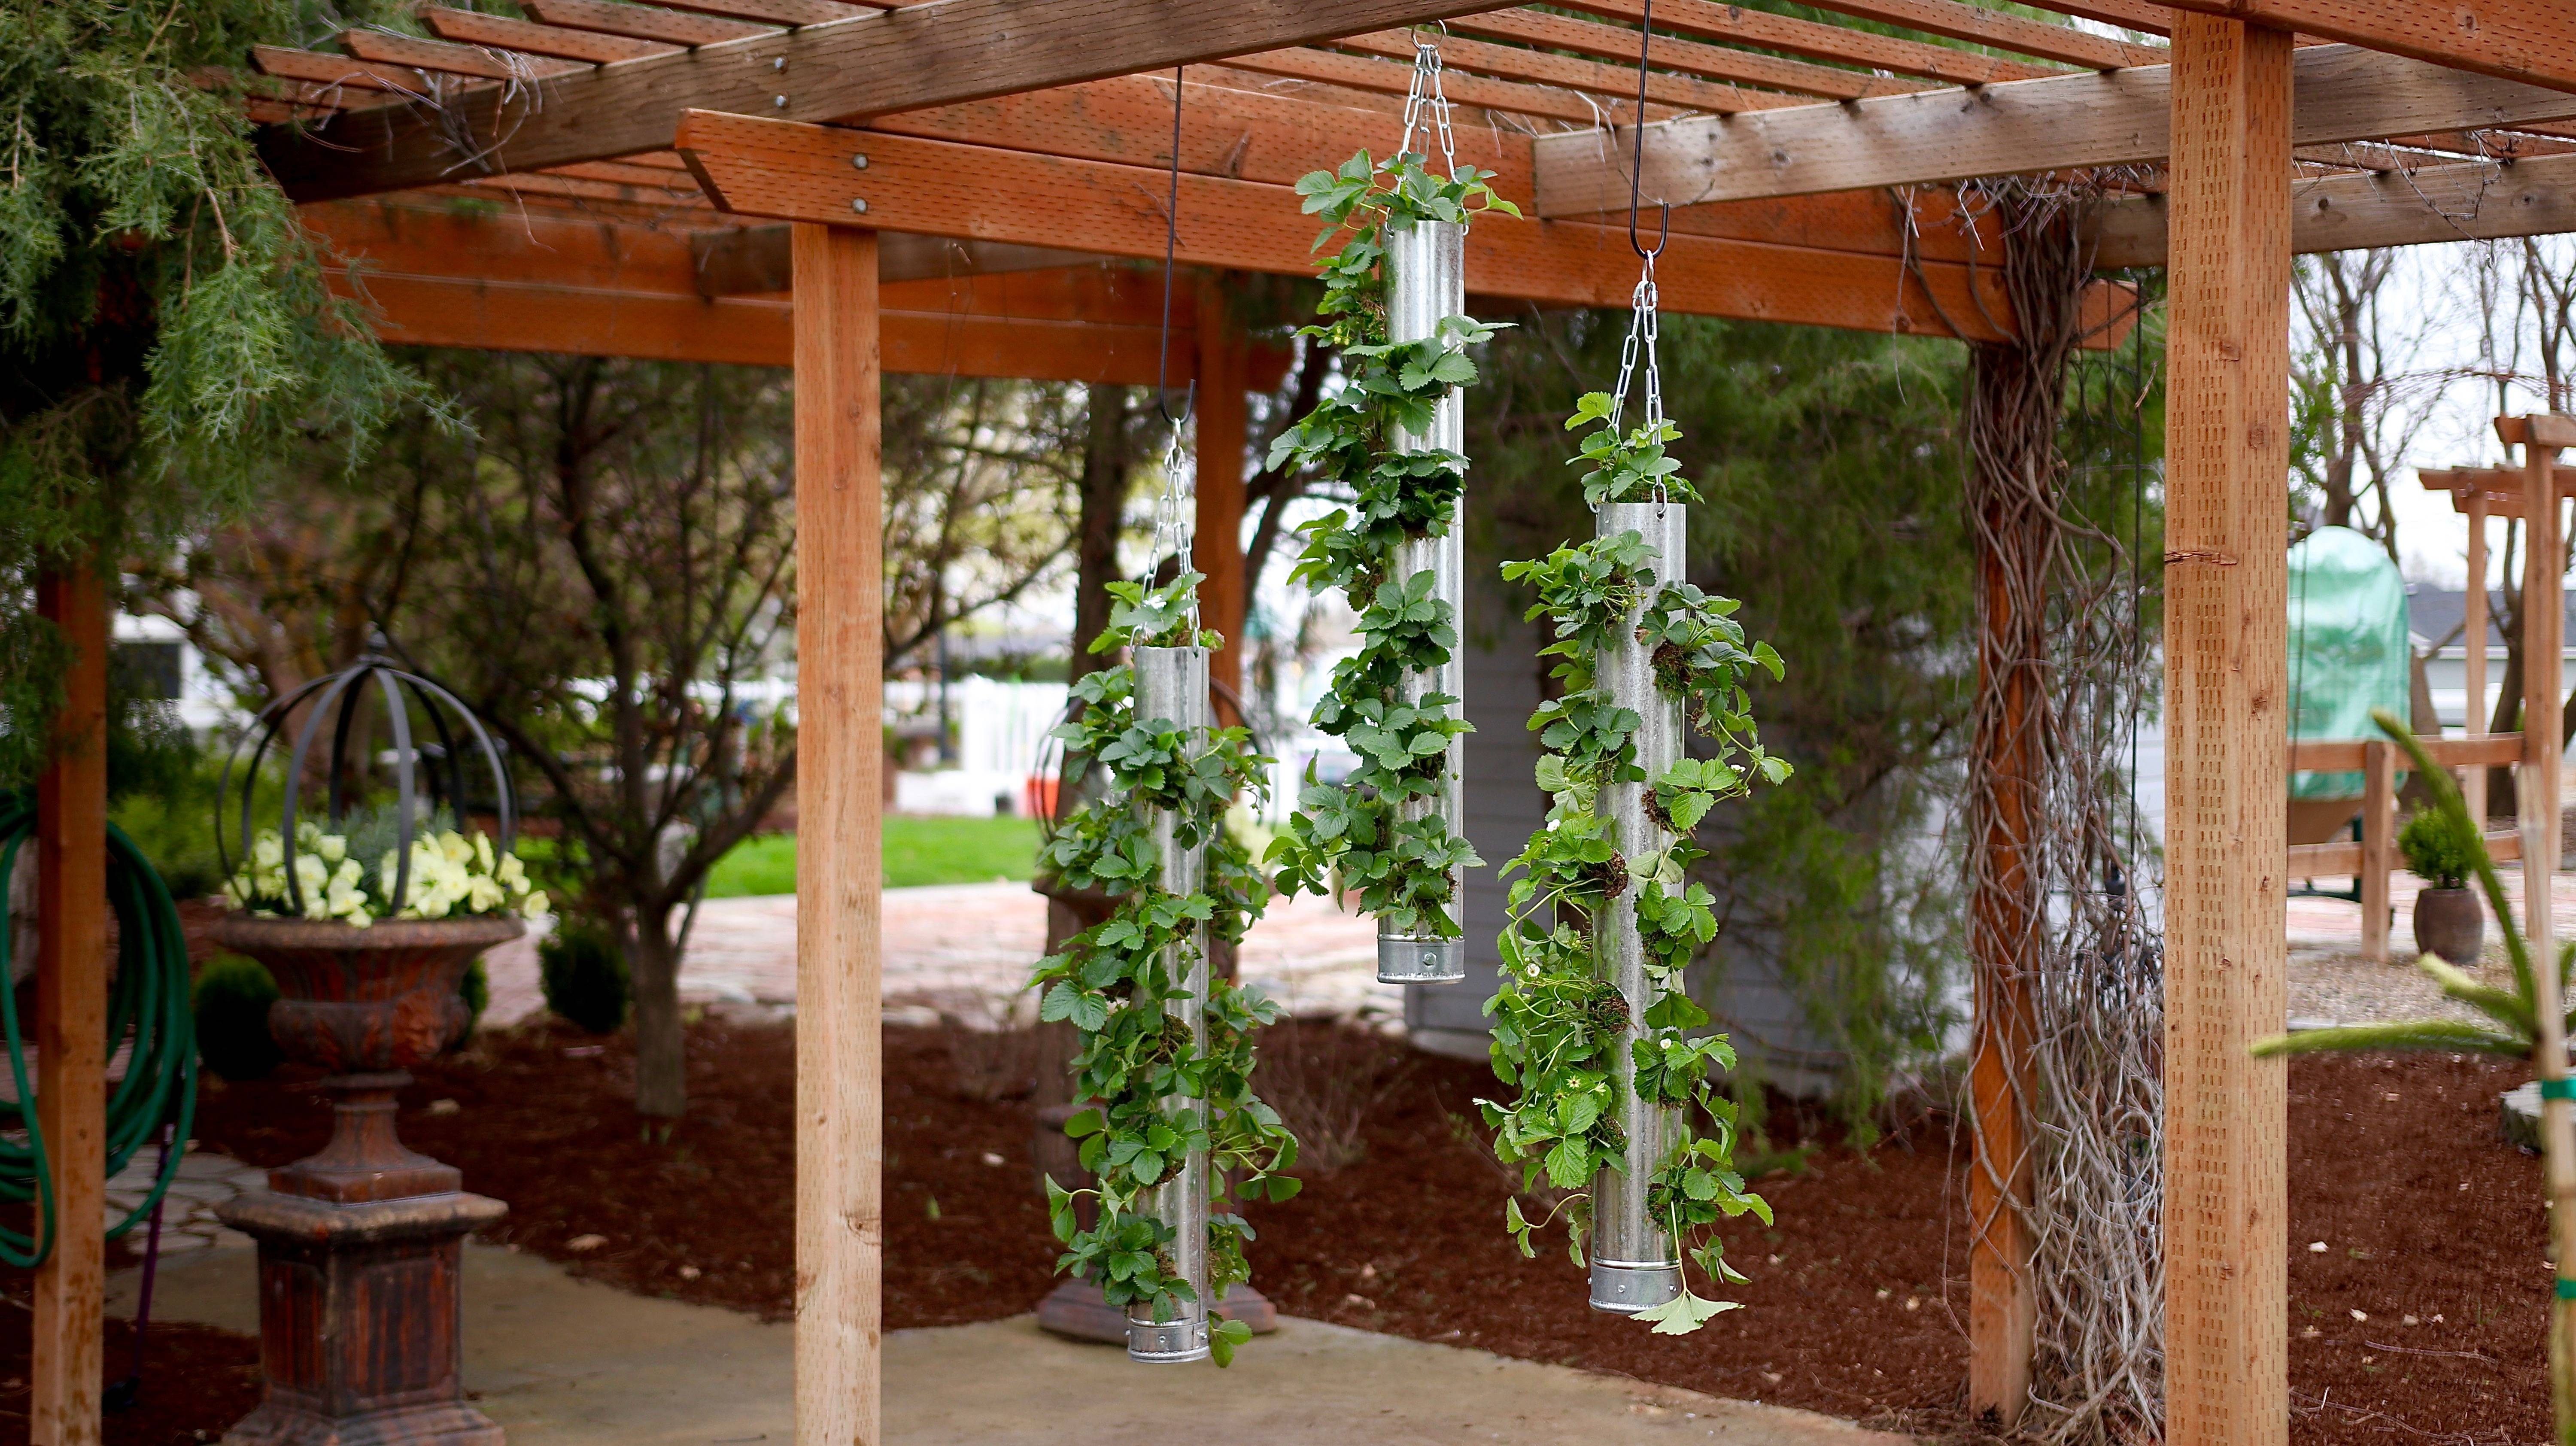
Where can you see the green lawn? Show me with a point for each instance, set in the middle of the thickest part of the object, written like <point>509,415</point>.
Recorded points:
<point>917,851</point>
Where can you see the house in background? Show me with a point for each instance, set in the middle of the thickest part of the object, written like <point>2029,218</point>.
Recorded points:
<point>2433,616</point>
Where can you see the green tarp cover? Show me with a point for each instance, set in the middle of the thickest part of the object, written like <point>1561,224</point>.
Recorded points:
<point>2348,647</point>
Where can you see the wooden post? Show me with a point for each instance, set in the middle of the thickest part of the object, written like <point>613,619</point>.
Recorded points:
<point>2002,923</point>
<point>1217,544</point>
<point>840,1228</point>
<point>71,1023</point>
<point>2378,844</point>
<point>2473,657</point>
<point>2226,678</point>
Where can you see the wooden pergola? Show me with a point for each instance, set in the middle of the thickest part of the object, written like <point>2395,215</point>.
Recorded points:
<point>612,178</point>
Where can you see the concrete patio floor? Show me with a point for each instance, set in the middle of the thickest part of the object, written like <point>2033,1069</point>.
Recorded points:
<point>564,1362</point>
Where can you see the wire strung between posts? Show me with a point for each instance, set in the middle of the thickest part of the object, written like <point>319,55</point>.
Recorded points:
<point>1426,105</point>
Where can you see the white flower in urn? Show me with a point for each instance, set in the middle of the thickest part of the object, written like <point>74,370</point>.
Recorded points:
<point>452,873</point>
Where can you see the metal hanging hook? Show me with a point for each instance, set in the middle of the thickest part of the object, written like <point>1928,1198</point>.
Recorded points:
<point>1637,151</point>
<point>1171,245</point>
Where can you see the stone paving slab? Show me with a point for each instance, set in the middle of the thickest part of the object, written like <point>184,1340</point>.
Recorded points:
<point>962,951</point>
<point>564,1362</point>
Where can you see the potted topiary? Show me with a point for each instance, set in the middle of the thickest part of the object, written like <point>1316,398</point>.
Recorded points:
<point>2448,918</point>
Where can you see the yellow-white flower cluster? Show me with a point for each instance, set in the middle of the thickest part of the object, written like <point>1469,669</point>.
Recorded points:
<point>451,875</point>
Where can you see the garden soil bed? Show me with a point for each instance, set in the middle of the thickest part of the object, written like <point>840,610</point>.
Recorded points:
<point>2432,1228</point>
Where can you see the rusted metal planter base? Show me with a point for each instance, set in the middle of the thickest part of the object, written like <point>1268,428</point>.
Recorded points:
<point>357,1309</point>
<point>360,1243</point>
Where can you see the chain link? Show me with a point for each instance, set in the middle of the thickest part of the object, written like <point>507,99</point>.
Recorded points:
<point>1175,520</point>
<point>1644,321</point>
<point>1427,98</point>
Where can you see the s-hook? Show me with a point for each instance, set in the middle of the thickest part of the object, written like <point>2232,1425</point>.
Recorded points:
<point>1637,151</point>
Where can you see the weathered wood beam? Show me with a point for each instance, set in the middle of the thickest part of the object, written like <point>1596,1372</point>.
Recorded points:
<point>453,311</point>
<point>2227,409</point>
<point>794,172</point>
<point>2527,40</point>
<point>1848,45</point>
<point>640,22</point>
<point>1690,57</point>
<point>2140,15</point>
<point>924,55</point>
<point>449,58</point>
<point>1388,77</point>
<point>2535,197</point>
<point>475,28</point>
<point>755,260</point>
<point>1979,25</point>
<point>2058,123</point>
<point>1613,83</point>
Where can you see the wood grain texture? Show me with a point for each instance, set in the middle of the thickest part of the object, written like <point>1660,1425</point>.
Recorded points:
<point>2533,197</point>
<point>640,22</point>
<point>71,1023</point>
<point>1613,84</point>
<point>2473,655</point>
<point>2060,122</point>
<point>475,28</point>
<point>2517,39</point>
<point>840,784</point>
<point>804,173</point>
<point>1709,62</point>
<point>447,57</point>
<point>1849,45</point>
<point>2226,1236</point>
<point>922,55</point>
<point>2143,16</point>
<point>1387,77</point>
<point>1982,26</point>
<point>2378,844</point>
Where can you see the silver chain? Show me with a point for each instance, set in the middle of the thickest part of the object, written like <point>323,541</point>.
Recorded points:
<point>1427,98</point>
<point>1175,518</point>
<point>1642,326</point>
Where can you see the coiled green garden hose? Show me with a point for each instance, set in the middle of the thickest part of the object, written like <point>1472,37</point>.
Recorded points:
<point>148,1006</point>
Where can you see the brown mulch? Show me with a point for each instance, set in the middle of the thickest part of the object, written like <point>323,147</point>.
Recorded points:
<point>1854,1309</point>
<point>197,1380</point>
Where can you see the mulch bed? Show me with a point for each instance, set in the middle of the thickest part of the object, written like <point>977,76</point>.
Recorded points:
<point>1856,1307</point>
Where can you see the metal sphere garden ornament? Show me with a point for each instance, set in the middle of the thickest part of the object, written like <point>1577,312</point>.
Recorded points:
<point>368,919</point>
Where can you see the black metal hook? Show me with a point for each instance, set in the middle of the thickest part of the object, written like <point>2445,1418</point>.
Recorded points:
<point>1637,152</point>
<point>1171,243</point>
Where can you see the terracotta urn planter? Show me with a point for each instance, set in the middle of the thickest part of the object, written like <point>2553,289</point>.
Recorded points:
<point>360,1244</point>
<point>2450,922</point>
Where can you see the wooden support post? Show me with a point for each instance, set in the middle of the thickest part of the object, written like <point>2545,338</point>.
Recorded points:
<point>2473,657</point>
<point>1217,544</point>
<point>71,1024</point>
<point>2378,844</point>
<point>2544,641</point>
<point>2226,678</point>
<point>840,1224</point>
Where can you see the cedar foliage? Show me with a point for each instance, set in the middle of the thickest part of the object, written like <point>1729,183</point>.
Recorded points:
<point>166,336</point>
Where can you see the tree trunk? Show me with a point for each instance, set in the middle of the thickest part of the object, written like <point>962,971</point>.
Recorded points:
<point>661,1054</point>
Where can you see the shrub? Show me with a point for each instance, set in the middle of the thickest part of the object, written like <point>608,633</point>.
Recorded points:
<point>476,990</point>
<point>584,975</point>
<point>2438,849</point>
<point>230,1001</point>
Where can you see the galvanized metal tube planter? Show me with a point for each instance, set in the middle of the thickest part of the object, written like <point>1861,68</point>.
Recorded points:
<point>1426,264</point>
<point>1634,1264</point>
<point>1172,684</point>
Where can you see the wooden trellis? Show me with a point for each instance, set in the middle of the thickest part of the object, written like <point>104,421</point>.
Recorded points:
<point>632,164</point>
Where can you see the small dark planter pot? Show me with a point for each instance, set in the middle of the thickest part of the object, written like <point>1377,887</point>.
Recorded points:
<point>2449,922</point>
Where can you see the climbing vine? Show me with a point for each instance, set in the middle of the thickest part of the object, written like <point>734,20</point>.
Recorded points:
<point>1557,1021</point>
<point>1401,869</point>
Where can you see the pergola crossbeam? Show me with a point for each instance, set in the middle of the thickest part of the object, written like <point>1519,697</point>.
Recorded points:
<point>1842,44</point>
<point>2058,123</point>
<point>2399,208</point>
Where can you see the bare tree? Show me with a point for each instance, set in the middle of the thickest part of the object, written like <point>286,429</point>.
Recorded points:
<point>981,480</point>
<point>2359,398</point>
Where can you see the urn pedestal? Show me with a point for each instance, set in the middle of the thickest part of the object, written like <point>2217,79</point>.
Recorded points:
<point>360,1243</point>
